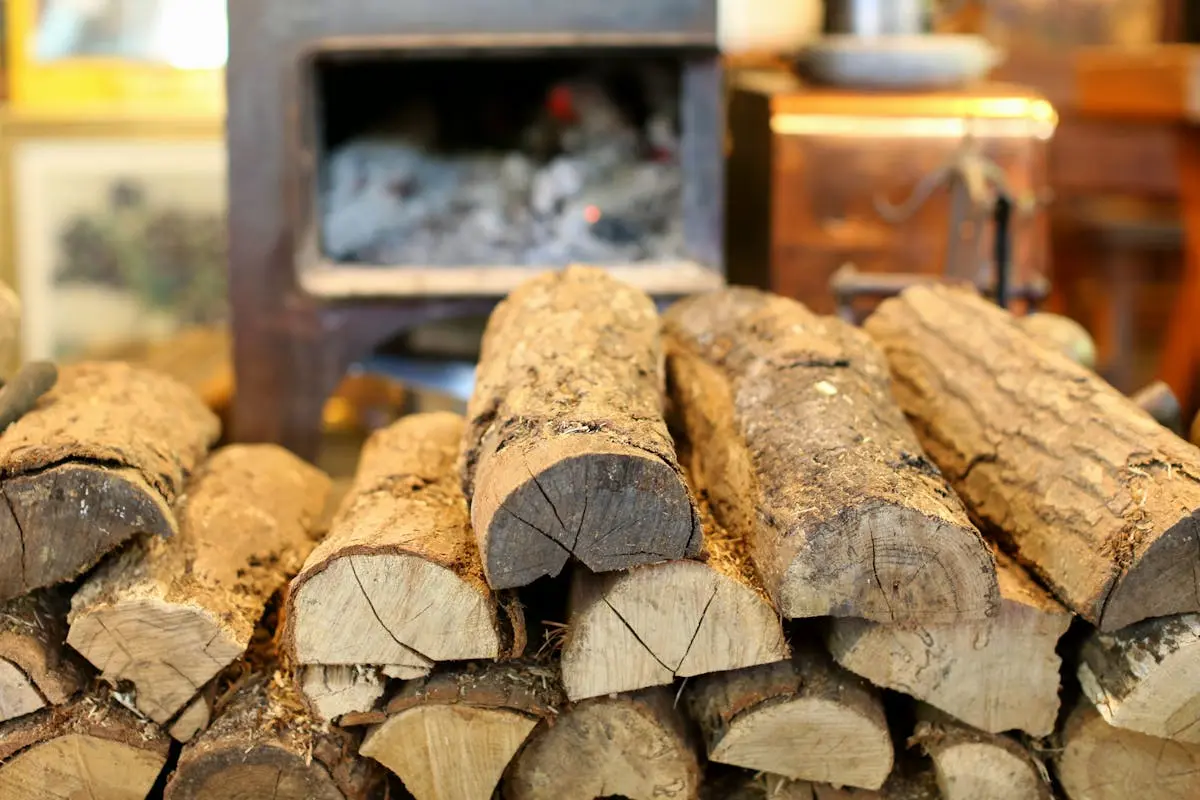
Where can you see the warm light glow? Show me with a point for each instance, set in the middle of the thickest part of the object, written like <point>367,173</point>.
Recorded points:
<point>592,214</point>
<point>917,127</point>
<point>194,34</point>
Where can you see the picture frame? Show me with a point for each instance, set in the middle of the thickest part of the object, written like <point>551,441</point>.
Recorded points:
<point>150,56</point>
<point>114,232</point>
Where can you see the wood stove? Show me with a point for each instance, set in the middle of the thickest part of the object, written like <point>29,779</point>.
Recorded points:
<point>394,163</point>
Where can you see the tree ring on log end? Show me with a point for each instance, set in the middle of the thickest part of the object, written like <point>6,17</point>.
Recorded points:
<point>79,765</point>
<point>263,771</point>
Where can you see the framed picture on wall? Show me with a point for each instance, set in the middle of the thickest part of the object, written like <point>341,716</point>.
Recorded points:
<point>116,242</point>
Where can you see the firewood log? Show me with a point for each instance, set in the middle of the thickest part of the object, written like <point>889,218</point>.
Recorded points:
<point>168,615</point>
<point>802,452</point>
<point>997,674</point>
<point>101,458</point>
<point>194,717</point>
<point>1147,677</point>
<point>89,748</point>
<point>265,744</point>
<point>632,745</point>
<point>452,735</point>
<point>1098,761</point>
<point>399,581</point>
<point>647,626</point>
<point>1085,488</point>
<point>36,669</point>
<point>804,719</point>
<point>566,451</point>
<point>332,691</point>
<point>915,781</point>
<point>974,765</point>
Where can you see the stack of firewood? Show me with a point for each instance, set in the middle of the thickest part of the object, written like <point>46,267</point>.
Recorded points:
<point>739,551</point>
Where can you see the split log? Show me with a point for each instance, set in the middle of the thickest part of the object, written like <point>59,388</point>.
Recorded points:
<point>1147,677</point>
<point>805,719</point>
<point>1085,488</point>
<point>911,779</point>
<point>36,669</point>
<point>973,765</point>
<point>1100,762</point>
<point>265,744</point>
<point>194,718</point>
<point>997,674</point>
<point>803,454</point>
<point>452,735</point>
<point>634,746</point>
<point>399,581</point>
<point>566,452</point>
<point>101,458</point>
<point>90,748</point>
<point>647,626</point>
<point>334,691</point>
<point>168,615</point>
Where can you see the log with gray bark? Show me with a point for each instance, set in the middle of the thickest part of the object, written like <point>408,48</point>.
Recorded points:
<point>1146,677</point>
<point>997,674</point>
<point>398,584</point>
<point>566,452</point>
<point>1082,486</point>
<point>803,453</point>
<point>36,668</point>
<point>168,615</point>
<point>102,457</point>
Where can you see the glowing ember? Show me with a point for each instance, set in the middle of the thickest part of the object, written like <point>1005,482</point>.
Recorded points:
<point>591,214</point>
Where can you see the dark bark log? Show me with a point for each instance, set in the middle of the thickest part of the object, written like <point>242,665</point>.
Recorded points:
<point>36,667</point>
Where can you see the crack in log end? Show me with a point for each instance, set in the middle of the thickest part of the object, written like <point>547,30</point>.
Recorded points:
<point>635,635</point>
<point>814,363</point>
<point>696,632</point>
<point>875,571</point>
<point>379,619</point>
<point>12,513</point>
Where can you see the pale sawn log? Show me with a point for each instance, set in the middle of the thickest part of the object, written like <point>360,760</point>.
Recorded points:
<point>1082,486</point>
<point>89,748</point>
<point>1098,761</point>
<point>566,452</point>
<point>652,624</point>
<point>804,719</point>
<point>336,690</point>
<point>1146,677</point>
<point>452,735</point>
<point>101,458</point>
<point>634,746</point>
<point>997,674</point>
<point>974,765</point>
<point>399,580</point>
<point>265,744</point>
<point>803,453</point>
<point>36,668</point>
<point>169,614</point>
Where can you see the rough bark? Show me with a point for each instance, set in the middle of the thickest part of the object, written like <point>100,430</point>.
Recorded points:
<point>652,624</point>
<point>101,458</point>
<point>1097,761</point>
<point>452,735</point>
<point>973,765</point>
<point>168,615</point>
<point>633,745</point>
<point>265,744</point>
<point>1147,677</point>
<point>804,719</point>
<point>36,669</point>
<point>566,452</point>
<point>90,748</point>
<point>801,451</point>
<point>1082,486</point>
<point>399,580</point>
<point>997,674</point>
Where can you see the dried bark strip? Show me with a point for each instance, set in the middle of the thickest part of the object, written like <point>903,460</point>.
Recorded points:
<point>452,735</point>
<point>90,748</point>
<point>802,452</point>
<point>399,580</point>
<point>633,745</point>
<point>805,719</point>
<point>996,674</point>
<point>101,458</point>
<point>566,452</point>
<point>168,615</point>
<point>36,669</point>
<point>1147,677</point>
<point>1085,488</point>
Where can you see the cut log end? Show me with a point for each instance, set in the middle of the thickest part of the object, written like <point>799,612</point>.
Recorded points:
<point>36,669</point>
<point>191,720</point>
<point>631,746</point>
<point>917,569</point>
<point>609,505</point>
<point>1098,761</point>
<point>973,765</point>
<point>652,624</point>
<point>266,771</point>
<point>1160,582</point>
<point>333,691</point>
<point>18,695</point>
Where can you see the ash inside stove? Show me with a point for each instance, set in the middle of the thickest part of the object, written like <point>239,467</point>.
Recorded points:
<point>458,162</point>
